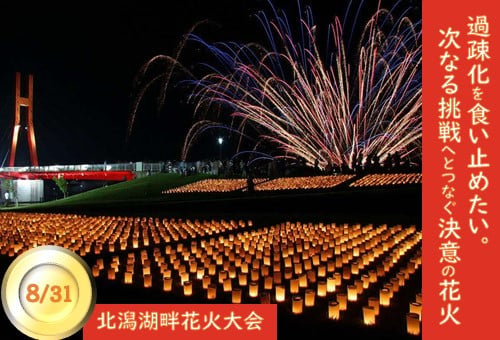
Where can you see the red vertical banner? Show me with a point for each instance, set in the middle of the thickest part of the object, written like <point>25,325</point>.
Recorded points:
<point>460,169</point>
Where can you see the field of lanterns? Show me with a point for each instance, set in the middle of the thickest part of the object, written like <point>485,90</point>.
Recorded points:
<point>297,183</point>
<point>214,185</point>
<point>387,179</point>
<point>330,270</point>
<point>303,183</point>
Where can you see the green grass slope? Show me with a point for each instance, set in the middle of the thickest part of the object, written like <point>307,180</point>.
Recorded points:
<point>146,188</point>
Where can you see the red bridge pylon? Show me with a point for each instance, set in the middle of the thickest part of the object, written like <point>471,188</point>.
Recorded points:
<point>28,103</point>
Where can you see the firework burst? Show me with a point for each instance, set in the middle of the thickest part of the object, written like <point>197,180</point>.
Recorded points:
<point>332,107</point>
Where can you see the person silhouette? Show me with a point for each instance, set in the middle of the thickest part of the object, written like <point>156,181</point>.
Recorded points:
<point>250,184</point>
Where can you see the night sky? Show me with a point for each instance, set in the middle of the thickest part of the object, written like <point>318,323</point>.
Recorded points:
<point>85,55</point>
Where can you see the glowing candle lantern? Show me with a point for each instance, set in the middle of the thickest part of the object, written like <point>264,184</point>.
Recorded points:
<point>419,298</point>
<point>184,277</point>
<point>311,276</point>
<point>294,286</point>
<point>355,268</point>
<point>390,287</point>
<point>298,268</point>
<point>338,262</point>
<point>288,273</point>
<point>236,295</point>
<point>222,276</point>
<point>330,266</point>
<point>146,270</point>
<point>315,260</point>
<point>188,288</point>
<point>212,269</point>
<point>307,245</point>
<point>193,266</point>
<point>333,310</point>
<point>385,297</point>
<point>265,298</point>
<point>322,271</point>
<point>387,265</point>
<point>401,278</point>
<point>330,284</point>
<point>303,281</point>
<point>309,297</point>
<point>338,279</point>
<point>167,284</point>
<point>219,260</point>
<point>297,305</point>
<point>242,279</point>
<point>416,308</point>
<point>359,286</point>
<point>148,281</point>
<point>280,293</point>
<point>277,277</point>
<point>255,264</point>
<point>200,272</point>
<point>95,270</point>
<point>307,264</point>
<point>127,279</point>
<point>380,271</point>
<point>372,274</point>
<point>352,293</point>
<point>365,279</point>
<point>253,290</point>
<point>411,267</point>
<point>337,249</point>
<point>167,273</point>
<point>342,300</point>
<point>181,268</point>
<point>268,283</point>
<point>227,284</point>
<point>366,259</point>
<point>232,272</point>
<point>412,324</point>
<point>346,273</point>
<point>212,291</point>
<point>111,273</point>
<point>207,279</point>
<point>368,315</point>
<point>374,302</point>
<point>418,261</point>
<point>323,256</point>
<point>264,270</point>
<point>321,288</point>
<point>395,284</point>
